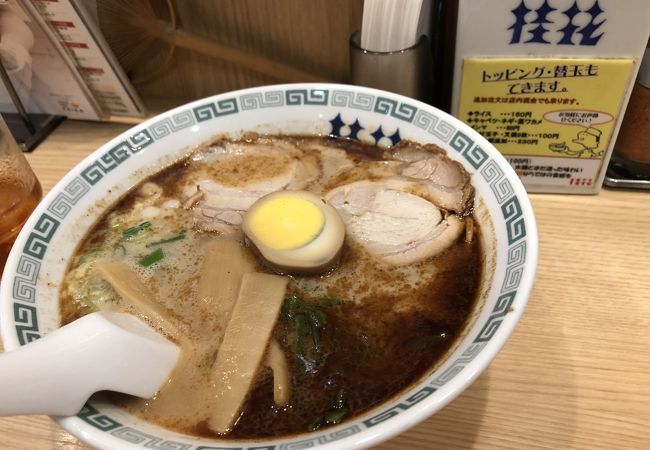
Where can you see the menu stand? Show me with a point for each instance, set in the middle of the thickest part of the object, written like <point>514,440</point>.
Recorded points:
<point>29,130</point>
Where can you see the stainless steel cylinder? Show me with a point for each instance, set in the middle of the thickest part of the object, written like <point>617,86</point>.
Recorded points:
<point>405,72</point>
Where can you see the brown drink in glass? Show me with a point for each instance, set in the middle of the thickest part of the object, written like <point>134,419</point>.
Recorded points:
<point>20,191</point>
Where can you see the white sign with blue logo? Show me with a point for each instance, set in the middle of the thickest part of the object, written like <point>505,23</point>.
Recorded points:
<point>546,61</point>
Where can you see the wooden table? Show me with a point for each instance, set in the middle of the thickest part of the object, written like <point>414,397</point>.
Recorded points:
<point>574,375</point>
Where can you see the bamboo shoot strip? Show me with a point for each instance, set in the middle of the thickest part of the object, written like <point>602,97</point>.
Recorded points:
<point>278,364</point>
<point>224,264</point>
<point>244,343</point>
<point>128,286</point>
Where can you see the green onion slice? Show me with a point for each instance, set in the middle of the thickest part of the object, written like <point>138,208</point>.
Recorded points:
<point>152,258</point>
<point>178,237</point>
<point>130,232</point>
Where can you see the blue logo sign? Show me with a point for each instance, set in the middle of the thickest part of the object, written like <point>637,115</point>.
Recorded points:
<point>541,24</point>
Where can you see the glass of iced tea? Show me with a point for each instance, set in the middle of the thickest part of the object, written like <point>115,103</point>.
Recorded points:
<point>20,191</point>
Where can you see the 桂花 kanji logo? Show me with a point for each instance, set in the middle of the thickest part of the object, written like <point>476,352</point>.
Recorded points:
<point>536,28</point>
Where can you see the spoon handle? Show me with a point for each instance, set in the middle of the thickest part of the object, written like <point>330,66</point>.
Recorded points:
<point>56,374</point>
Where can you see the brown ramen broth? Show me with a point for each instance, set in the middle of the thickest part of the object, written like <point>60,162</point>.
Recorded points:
<point>352,337</point>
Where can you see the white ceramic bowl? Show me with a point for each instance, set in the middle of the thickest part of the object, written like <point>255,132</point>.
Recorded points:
<point>29,295</point>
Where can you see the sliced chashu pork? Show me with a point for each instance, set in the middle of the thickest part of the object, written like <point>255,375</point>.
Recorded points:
<point>393,223</point>
<point>432,174</point>
<point>447,182</point>
<point>240,173</point>
<point>236,174</point>
<point>332,162</point>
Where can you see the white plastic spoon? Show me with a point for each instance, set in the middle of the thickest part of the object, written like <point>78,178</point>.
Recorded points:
<point>56,374</point>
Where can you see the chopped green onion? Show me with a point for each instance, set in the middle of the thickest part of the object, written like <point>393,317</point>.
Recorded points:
<point>316,318</point>
<point>290,307</point>
<point>307,321</point>
<point>152,258</point>
<point>315,338</point>
<point>119,248</point>
<point>130,232</point>
<point>316,323</point>
<point>178,237</point>
<point>300,324</point>
<point>316,424</point>
<point>335,416</point>
<point>339,399</point>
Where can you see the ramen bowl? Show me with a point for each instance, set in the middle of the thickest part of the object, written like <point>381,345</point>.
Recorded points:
<point>48,241</point>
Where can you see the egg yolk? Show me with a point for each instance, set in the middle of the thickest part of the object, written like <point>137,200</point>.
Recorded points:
<point>287,223</point>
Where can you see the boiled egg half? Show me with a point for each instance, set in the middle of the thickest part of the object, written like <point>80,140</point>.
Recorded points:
<point>295,231</point>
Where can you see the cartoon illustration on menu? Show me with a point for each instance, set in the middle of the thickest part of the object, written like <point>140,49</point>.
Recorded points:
<point>585,145</point>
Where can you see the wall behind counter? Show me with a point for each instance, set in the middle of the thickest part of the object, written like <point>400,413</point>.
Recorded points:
<point>309,36</point>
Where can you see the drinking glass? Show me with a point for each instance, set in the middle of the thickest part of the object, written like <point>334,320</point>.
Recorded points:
<point>20,191</point>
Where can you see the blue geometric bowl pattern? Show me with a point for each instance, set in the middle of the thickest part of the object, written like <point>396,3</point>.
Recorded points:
<point>24,292</point>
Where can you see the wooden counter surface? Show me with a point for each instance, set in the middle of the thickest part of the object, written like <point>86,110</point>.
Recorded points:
<point>574,375</point>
